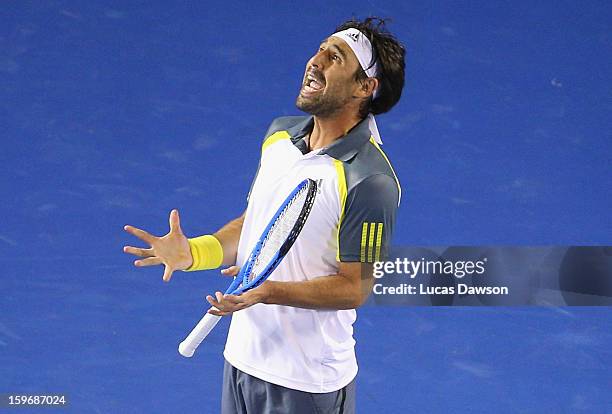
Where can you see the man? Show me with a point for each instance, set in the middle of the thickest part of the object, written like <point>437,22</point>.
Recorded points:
<point>290,347</point>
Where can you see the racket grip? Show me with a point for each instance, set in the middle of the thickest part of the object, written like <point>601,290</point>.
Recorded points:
<point>197,335</point>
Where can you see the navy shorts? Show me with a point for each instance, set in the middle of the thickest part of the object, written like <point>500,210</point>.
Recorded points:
<point>243,393</point>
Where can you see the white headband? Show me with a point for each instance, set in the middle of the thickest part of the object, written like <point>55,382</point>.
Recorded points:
<point>362,48</point>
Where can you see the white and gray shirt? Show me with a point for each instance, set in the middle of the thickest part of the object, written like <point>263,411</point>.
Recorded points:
<point>351,221</point>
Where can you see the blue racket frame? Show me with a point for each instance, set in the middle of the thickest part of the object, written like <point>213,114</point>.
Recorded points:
<point>241,282</point>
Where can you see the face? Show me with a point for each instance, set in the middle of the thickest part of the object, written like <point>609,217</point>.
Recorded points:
<point>329,83</point>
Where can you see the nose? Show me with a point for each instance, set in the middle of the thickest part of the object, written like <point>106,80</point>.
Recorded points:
<point>318,60</point>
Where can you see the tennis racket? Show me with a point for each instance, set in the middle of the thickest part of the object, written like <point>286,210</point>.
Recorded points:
<point>270,249</point>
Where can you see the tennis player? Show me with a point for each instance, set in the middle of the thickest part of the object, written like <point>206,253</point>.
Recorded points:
<point>290,347</point>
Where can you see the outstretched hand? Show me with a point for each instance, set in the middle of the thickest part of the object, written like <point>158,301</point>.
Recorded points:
<point>223,305</point>
<point>171,250</point>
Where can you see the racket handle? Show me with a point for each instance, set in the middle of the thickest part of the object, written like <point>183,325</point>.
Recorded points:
<point>197,335</point>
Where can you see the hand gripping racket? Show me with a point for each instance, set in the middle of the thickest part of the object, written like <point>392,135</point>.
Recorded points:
<point>270,249</point>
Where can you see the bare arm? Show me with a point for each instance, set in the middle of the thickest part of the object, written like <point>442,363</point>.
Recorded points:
<point>229,236</point>
<point>348,289</point>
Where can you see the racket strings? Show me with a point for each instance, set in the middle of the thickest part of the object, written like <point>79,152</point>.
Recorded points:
<point>279,232</point>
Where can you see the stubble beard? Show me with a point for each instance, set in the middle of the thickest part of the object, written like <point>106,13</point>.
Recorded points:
<point>321,106</point>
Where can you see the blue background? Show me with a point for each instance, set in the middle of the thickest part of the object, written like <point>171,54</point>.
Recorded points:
<point>116,112</point>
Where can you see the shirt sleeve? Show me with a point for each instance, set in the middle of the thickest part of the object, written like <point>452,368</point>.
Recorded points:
<point>369,216</point>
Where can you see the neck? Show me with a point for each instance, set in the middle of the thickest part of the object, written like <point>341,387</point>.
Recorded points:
<point>329,129</point>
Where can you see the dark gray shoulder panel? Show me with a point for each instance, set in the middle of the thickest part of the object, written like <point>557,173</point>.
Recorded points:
<point>369,218</point>
<point>368,161</point>
<point>283,123</point>
<point>371,204</point>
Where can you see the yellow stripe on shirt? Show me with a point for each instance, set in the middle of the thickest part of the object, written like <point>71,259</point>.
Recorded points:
<point>364,239</point>
<point>379,232</point>
<point>342,199</point>
<point>274,138</point>
<point>371,243</point>
<point>399,188</point>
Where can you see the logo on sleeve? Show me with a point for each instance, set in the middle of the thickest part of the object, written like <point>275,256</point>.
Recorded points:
<point>371,242</point>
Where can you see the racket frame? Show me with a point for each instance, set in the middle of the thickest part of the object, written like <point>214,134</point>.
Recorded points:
<point>241,283</point>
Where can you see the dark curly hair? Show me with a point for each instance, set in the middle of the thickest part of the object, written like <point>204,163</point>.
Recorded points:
<point>389,53</point>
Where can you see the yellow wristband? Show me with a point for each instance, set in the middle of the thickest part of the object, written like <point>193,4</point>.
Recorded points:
<point>206,252</point>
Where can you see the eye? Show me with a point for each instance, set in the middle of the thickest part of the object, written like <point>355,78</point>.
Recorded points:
<point>336,57</point>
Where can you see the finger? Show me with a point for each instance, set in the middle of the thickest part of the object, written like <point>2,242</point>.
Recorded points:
<point>217,312</point>
<point>213,302</point>
<point>234,299</point>
<point>167,273</point>
<point>137,251</point>
<point>141,234</point>
<point>230,271</point>
<point>175,222</point>
<point>149,261</point>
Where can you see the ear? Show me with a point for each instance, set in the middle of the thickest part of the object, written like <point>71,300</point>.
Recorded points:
<point>367,88</point>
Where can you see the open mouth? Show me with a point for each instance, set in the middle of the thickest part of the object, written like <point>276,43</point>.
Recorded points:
<point>313,84</point>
